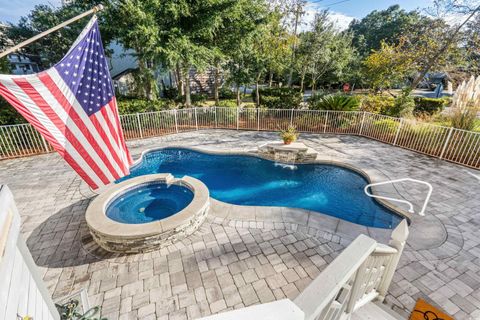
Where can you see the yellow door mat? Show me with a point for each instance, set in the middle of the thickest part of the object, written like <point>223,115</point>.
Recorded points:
<point>425,311</point>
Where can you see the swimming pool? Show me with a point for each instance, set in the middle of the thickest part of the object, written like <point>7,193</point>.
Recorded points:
<point>251,181</point>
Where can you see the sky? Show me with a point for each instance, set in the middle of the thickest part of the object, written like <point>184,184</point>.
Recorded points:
<point>342,10</point>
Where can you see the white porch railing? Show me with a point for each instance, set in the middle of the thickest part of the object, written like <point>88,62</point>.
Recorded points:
<point>455,145</point>
<point>361,274</point>
<point>22,291</point>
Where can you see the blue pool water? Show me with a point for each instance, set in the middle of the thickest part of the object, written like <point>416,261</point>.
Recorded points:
<point>247,180</point>
<point>148,202</point>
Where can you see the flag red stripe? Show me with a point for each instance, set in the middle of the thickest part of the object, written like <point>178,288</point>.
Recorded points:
<point>73,115</point>
<point>46,134</point>
<point>50,113</point>
<point>112,130</point>
<point>113,107</point>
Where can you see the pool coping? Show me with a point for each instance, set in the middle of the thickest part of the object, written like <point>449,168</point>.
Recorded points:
<point>98,222</point>
<point>370,175</point>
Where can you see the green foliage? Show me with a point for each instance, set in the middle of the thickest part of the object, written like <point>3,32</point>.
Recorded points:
<point>134,105</point>
<point>465,119</point>
<point>279,98</point>
<point>289,135</point>
<point>381,26</point>
<point>389,125</point>
<point>170,93</point>
<point>324,54</point>
<point>429,106</point>
<point>403,106</point>
<point>337,102</point>
<point>226,93</point>
<point>198,98</point>
<point>231,103</point>
<point>376,103</point>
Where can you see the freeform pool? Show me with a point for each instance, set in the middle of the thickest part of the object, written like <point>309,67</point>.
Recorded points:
<point>149,202</point>
<point>252,181</point>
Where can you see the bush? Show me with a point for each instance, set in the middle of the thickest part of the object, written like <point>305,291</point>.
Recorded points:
<point>170,93</point>
<point>429,106</point>
<point>227,103</point>
<point>280,98</point>
<point>226,93</point>
<point>337,102</point>
<point>134,105</point>
<point>197,98</point>
<point>377,103</point>
<point>403,106</point>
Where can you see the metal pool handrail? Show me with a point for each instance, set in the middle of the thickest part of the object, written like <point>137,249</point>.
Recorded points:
<point>422,212</point>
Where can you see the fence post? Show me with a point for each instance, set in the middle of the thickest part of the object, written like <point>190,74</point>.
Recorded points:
<point>446,142</point>
<point>196,119</point>
<point>176,122</point>
<point>258,119</point>
<point>398,132</point>
<point>45,145</point>
<point>398,239</point>
<point>139,126</point>
<point>215,110</point>
<point>325,125</point>
<point>291,118</point>
<point>238,117</point>
<point>361,125</point>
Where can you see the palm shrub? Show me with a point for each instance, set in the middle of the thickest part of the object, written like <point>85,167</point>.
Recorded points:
<point>335,102</point>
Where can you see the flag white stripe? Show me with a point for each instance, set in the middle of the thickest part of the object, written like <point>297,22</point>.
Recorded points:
<point>115,140</point>
<point>85,119</point>
<point>52,128</point>
<point>65,118</point>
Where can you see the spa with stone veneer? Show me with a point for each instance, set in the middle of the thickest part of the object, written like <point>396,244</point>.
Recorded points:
<point>141,214</point>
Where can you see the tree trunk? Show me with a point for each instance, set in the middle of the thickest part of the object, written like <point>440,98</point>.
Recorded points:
<point>216,86</point>
<point>302,80</point>
<point>237,92</point>
<point>180,82</point>
<point>270,80</point>
<point>257,92</point>
<point>188,99</point>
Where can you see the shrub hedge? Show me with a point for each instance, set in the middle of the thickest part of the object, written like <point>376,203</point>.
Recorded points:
<point>430,106</point>
<point>279,98</point>
<point>134,105</point>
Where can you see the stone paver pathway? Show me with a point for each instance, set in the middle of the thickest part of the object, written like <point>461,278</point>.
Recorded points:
<point>236,259</point>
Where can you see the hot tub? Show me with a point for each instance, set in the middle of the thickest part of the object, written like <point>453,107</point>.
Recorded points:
<point>147,213</point>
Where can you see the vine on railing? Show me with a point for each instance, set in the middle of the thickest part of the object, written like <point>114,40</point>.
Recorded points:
<point>455,145</point>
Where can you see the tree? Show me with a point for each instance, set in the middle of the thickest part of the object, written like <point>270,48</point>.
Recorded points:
<point>381,26</point>
<point>51,48</point>
<point>324,51</point>
<point>387,66</point>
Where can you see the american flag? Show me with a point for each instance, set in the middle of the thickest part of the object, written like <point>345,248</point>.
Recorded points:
<point>73,107</point>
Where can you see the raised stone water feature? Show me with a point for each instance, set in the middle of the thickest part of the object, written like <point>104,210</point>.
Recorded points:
<point>296,152</point>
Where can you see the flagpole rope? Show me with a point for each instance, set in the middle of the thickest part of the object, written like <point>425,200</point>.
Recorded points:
<point>43,34</point>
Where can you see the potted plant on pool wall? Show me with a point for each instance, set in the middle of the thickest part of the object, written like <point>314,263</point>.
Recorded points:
<point>290,135</point>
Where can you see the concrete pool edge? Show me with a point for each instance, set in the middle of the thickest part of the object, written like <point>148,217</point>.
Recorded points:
<point>129,238</point>
<point>372,176</point>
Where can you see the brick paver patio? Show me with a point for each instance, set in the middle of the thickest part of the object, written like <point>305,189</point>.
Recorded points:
<point>246,255</point>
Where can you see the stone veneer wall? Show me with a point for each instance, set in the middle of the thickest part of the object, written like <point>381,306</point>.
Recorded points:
<point>153,242</point>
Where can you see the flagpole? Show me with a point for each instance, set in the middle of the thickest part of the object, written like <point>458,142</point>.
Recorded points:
<point>44,33</point>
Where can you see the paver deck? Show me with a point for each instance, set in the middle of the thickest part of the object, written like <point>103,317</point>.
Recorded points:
<point>246,255</point>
